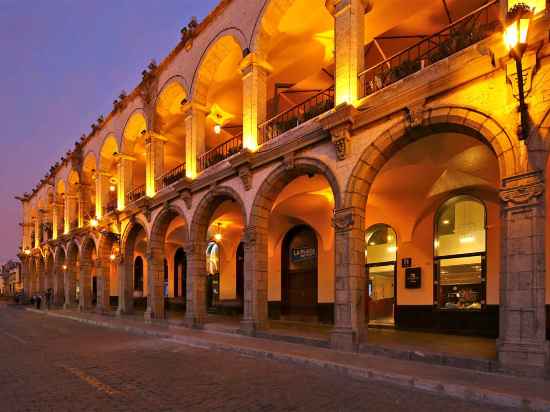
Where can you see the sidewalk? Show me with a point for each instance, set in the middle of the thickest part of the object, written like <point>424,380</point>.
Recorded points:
<point>493,388</point>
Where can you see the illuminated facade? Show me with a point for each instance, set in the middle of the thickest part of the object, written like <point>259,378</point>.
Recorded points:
<point>316,161</point>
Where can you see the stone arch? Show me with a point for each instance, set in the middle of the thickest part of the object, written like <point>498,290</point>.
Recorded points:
<point>126,278</point>
<point>280,177</point>
<point>462,120</point>
<point>266,24</point>
<point>175,79</point>
<point>72,260</point>
<point>156,253</point>
<point>210,60</point>
<point>544,137</point>
<point>135,124</point>
<point>207,206</point>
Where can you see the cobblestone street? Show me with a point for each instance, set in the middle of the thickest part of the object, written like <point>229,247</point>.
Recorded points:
<point>52,364</point>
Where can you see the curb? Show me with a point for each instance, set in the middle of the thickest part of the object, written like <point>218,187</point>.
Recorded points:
<point>463,392</point>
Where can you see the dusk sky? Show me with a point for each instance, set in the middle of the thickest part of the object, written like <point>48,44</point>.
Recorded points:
<point>63,63</point>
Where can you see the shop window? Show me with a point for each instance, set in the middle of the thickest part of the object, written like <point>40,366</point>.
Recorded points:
<point>460,254</point>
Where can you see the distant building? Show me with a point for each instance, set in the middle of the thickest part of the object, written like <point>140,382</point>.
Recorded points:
<point>10,278</point>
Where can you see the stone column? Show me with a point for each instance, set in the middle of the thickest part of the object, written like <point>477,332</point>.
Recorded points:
<point>349,38</point>
<point>101,192</point>
<point>522,342</point>
<point>154,161</point>
<point>71,211</point>
<point>103,272</point>
<point>59,287</point>
<point>349,305</point>
<point>70,285</point>
<point>195,129</point>
<point>125,287</point>
<point>125,170</point>
<point>155,283</point>
<point>255,72</point>
<point>83,203</point>
<point>37,229</point>
<point>25,274</point>
<point>57,220</point>
<point>195,314</point>
<point>255,315</point>
<point>85,283</point>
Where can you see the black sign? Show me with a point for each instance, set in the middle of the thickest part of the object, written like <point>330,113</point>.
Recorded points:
<point>303,253</point>
<point>406,262</point>
<point>413,278</point>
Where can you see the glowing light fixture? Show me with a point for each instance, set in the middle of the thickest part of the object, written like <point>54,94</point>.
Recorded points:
<point>446,222</point>
<point>467,239</point>
<point>516,33</point>
<point>217,128</point>
<point>64,267</point>
<point>392,249</point>
<point>27,251</point>
<point>94,223</point>
<point>112,257</point>
<point>218,235</point>
<point>112,188</point>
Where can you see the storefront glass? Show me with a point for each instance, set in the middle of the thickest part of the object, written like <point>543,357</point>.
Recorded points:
<point>460,247</point>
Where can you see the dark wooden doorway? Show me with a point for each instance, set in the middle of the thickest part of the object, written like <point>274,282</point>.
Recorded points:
<point>180,273</point>
<point>299,274</point>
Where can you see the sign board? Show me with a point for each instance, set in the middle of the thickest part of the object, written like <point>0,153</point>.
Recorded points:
<point>413,278</point>
<point>406,262</point>
<point>303,253</point>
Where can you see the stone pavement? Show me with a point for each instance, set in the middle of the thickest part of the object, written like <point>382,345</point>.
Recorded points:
<point>469,385</point>
<point>52,364</point>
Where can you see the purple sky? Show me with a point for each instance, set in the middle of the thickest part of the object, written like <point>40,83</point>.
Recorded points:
<point>63,64</point>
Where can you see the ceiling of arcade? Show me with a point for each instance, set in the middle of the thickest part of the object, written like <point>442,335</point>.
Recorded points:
<point>446,163</point>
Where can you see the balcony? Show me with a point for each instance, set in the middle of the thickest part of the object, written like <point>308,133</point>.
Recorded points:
<point>296,115</point>
<point>170,177</point>
<point>135,194</point>
<point>219,153</point>
<point>470,29</point>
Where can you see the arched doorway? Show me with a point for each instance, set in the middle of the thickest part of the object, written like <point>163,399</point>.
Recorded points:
<point>138,277</point>
<point>299,274</point>
<point>380,255</point>
<point>180,273</point>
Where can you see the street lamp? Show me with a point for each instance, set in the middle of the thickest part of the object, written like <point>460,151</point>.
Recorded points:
<point>518,20</point>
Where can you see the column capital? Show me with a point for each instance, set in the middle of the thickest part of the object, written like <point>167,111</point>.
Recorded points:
<point>124,156</point>
<point>335,7</point>
<point>253,60</point>
<point>190,107</point>
<point>523,189</point>
<point>151,136</point>
<point>344,220</point>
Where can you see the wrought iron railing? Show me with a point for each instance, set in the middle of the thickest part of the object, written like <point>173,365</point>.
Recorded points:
<point>135,194</point>
<point>220,152</point>
<point>170,177</point>
<point>462,33</point>
<point>296,115</point>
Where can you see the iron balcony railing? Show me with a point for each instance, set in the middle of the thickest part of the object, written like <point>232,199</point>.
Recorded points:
<point>135,194</point>
<point>170,177</point>
<point>220,152</point>
<point>296,115</point>
<point>462,33</point>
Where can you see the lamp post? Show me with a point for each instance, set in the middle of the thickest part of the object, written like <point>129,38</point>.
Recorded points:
<point>518,20</point>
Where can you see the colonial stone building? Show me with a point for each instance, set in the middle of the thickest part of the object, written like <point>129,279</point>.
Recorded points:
<point>344,162</point>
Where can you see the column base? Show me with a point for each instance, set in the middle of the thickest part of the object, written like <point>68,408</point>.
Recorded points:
<point>194,321</point>
<point>67,306</point>
<point>523,358</point>
<point>101,310</point>
<point>122,311</point>
<point>250,327</point>
<point>345,340</point>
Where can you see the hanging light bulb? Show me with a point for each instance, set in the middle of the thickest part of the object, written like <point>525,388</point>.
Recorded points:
<point>112,188</point>
<point>217,128</point>
<point>218,235</point>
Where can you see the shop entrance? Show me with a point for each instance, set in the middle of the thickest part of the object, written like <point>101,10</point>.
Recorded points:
<point>381,273</point>
<point>180,272</point>
<point>299,275</point>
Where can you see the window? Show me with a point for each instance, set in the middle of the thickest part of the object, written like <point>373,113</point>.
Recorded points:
<point>460,251</point>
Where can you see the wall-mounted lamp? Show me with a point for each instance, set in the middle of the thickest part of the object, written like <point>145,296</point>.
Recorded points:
<point>64,267</point>
<point>516,33</point>
<point>27,251</point>
<point>112,257</point>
